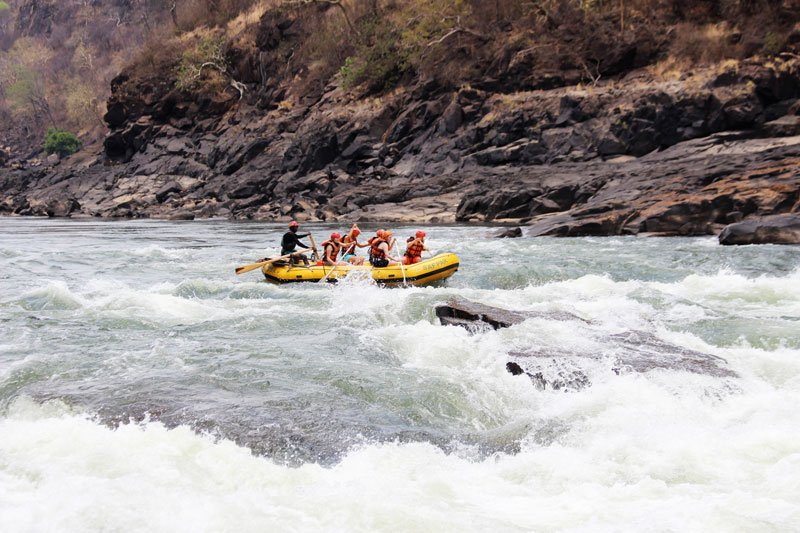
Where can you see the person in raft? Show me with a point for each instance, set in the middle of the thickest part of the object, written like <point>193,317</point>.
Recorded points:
<point>379,247</point>
<point>330,251</point>
<point>350,244</point>
<point>414,247</point>
<point>290,241</point>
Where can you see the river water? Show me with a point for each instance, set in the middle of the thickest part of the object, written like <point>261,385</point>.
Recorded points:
<point>145,387</point>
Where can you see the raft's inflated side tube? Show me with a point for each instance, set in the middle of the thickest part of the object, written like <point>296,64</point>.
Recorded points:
<point>428,271</point>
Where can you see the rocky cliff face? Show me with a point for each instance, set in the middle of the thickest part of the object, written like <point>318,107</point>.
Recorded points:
<point>636,153</point>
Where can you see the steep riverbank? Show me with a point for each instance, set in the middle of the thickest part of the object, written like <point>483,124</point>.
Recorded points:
<point>632,150</point>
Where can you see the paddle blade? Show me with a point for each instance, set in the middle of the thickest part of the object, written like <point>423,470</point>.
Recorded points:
<point>253,266</point>
<point>248,268</point>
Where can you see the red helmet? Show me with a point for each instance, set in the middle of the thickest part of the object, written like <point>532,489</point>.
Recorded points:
<point>335,235</point>
<point>355,232</point>
<point>420,234</point>
<point>293,224</point>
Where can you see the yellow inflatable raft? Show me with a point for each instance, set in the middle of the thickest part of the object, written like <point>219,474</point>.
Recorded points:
<point>425,272</point>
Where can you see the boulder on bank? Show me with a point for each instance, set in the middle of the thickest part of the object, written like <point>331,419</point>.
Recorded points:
<point>183,214</point>
<point>774,229</point>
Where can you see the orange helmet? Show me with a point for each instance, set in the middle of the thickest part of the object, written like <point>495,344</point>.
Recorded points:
<point>355,232</point>
<point>387,234</point>
<point>420,234</point>
<point>335,235</point>
<point>381,234</point>
<point>293,224</point>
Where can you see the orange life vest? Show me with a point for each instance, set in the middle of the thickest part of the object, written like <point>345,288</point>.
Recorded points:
<point>414,250</point>
<point>375,251</point>
<point>351,249</point>
<point>334,250</point>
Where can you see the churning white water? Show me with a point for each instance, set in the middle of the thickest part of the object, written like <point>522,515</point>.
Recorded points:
<point>145,387</point>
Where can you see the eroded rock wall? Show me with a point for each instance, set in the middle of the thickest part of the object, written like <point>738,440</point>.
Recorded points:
<point>636,153</point>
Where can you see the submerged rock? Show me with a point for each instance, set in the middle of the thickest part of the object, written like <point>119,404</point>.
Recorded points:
<point>775,229</point>
<point>633,351</point>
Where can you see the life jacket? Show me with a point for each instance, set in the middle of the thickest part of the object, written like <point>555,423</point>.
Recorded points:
<point>335,250</point>
<point>414,250</point>
<point>350,246</point>
<point>375,251</point>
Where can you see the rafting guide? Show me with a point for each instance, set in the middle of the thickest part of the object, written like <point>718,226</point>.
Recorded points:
<point>338,258</point>
<point>290,241</point>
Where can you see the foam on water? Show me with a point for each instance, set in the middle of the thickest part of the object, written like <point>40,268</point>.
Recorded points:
<point>154,251</point>
<point>395,422</point>
<point>55,295</point>
<point>115,299</point>
<point>680,462</point>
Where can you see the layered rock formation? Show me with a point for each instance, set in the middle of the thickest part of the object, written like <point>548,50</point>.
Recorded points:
<point>635,154</point>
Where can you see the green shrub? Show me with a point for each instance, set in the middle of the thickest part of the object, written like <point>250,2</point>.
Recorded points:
<point>61,142</point>
<point>348,73</point>
<point>774,43</point>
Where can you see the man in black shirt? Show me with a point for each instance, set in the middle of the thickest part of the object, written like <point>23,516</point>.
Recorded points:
<point>291,240</point>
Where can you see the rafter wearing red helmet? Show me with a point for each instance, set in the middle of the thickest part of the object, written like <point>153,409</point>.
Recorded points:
<point>350,244</point>
<point>291,240</point>
<point>414,247</point>
<point>379,247</point>
<point>331,249</point>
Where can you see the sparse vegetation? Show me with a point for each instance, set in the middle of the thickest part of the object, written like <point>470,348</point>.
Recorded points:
<point>206,54</point>
<point>348,73</point>
<point>706,44</point>
<point>368,46</point>
<point>444,39</point>
<point>57,61</point>
<point>379,61</point>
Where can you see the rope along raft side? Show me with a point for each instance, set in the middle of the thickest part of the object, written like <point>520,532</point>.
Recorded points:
<point>437,268</point>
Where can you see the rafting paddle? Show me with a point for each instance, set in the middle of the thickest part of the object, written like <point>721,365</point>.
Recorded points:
<point>253,266</point>
<point>314,247</point>
<point>326,275</point>
<point>402,268</point>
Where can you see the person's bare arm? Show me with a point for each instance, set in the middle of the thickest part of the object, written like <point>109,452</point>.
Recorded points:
<point>385,247</point>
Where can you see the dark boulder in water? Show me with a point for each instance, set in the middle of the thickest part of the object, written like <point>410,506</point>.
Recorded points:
<point>461,312</point>
<point>634,351</point>
<point>511,233</point>
<point>471,315</point>
<point>775,229</point>
<point>514,368</point>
